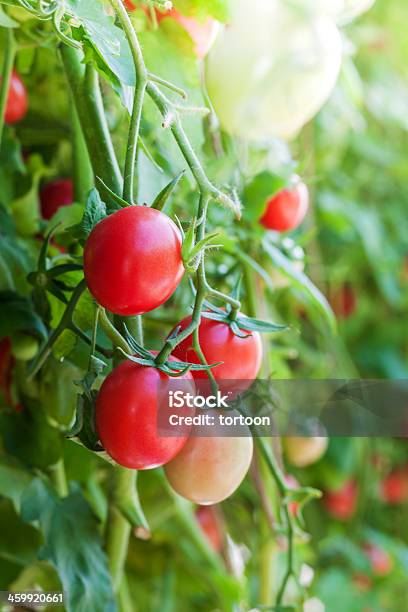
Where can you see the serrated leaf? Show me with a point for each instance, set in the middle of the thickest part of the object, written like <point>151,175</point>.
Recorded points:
<point>117,199</point>
<point>84,313</point>
<point>58,401</point>
<point>80,561</point>
<point>165,194</point>
<point>17,314</point>
<point>64,344</point>
<point>251,324</point>
<point>95,211</point>
<point>302,282</point>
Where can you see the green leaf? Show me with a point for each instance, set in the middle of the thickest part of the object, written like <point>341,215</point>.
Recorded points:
<point>302,282</point>
<point>15,263</point>
<point>250,324</point>
<point>84,313</point>
<point>17,314</point>
<point>117,199</point>
<point>13,479</point>
<point>19,542</point>
<point>80,560</point>
<point>165,194</point>
<point>106,43</point>
<point>28,437</point>
<point>58,401</point>
<point>95,211</point>
<point>6,21</point>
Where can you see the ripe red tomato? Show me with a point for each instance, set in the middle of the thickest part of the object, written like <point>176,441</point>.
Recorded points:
<point>54,195</point>
<point>210,524</point>
<point>17,100</point>
<point>381,561</point>
<point>132,260</point>
<point>394,487</point>
<point>208,470</point>
<point>241,357</point>
<point>287,209</point>
<point>344,302</point>
<point>341,503</point>
<point>127,416</point>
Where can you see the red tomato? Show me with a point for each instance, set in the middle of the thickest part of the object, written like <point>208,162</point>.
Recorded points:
<point>202,33</point>
<point>394,487</point>
<point>210,524</point>
<point>132,260</point>
<point>287,209</point>
<point>344,302</point>
<point>241,357</point>
<point>342,503</point>
<point>54,195</point>
<point>127,409</point>
<point>17,100</point>
<point>208,470</point>
<point>381,562</point>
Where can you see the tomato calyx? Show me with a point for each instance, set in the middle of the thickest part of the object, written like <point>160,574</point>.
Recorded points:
<point>191,251</point>
<point>143,357</point>
<point>239,324</point>
<point>45,279</point>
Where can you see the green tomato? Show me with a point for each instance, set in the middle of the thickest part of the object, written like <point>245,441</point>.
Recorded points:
<point>23,346</point>
<point>272,69</point>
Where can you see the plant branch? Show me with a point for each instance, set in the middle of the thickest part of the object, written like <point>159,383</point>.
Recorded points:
<point>141,82</point>
<point>8,62</point>
<point>84,85</point>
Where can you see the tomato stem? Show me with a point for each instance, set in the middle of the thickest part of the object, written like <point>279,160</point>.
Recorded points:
<point>141,82</point>
<point>8,62</point>
<point>59,479</point>
<point>83,174</point>
<point>84,85</point>
<point>113,334</point>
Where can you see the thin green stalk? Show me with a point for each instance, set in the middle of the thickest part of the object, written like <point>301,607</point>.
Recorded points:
<point>84,85</point>
<point>112,333</point>
<point>141,82</point>
<point>83,173</point>
<point>65,322</point>
<point>59,479</point>
<point>117,542</point>
<point>8,63</point>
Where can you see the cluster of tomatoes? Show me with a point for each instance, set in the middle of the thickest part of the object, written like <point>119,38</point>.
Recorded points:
<point>132,265</point>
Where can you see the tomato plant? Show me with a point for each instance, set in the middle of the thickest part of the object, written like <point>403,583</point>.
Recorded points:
<point>143,304</point>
